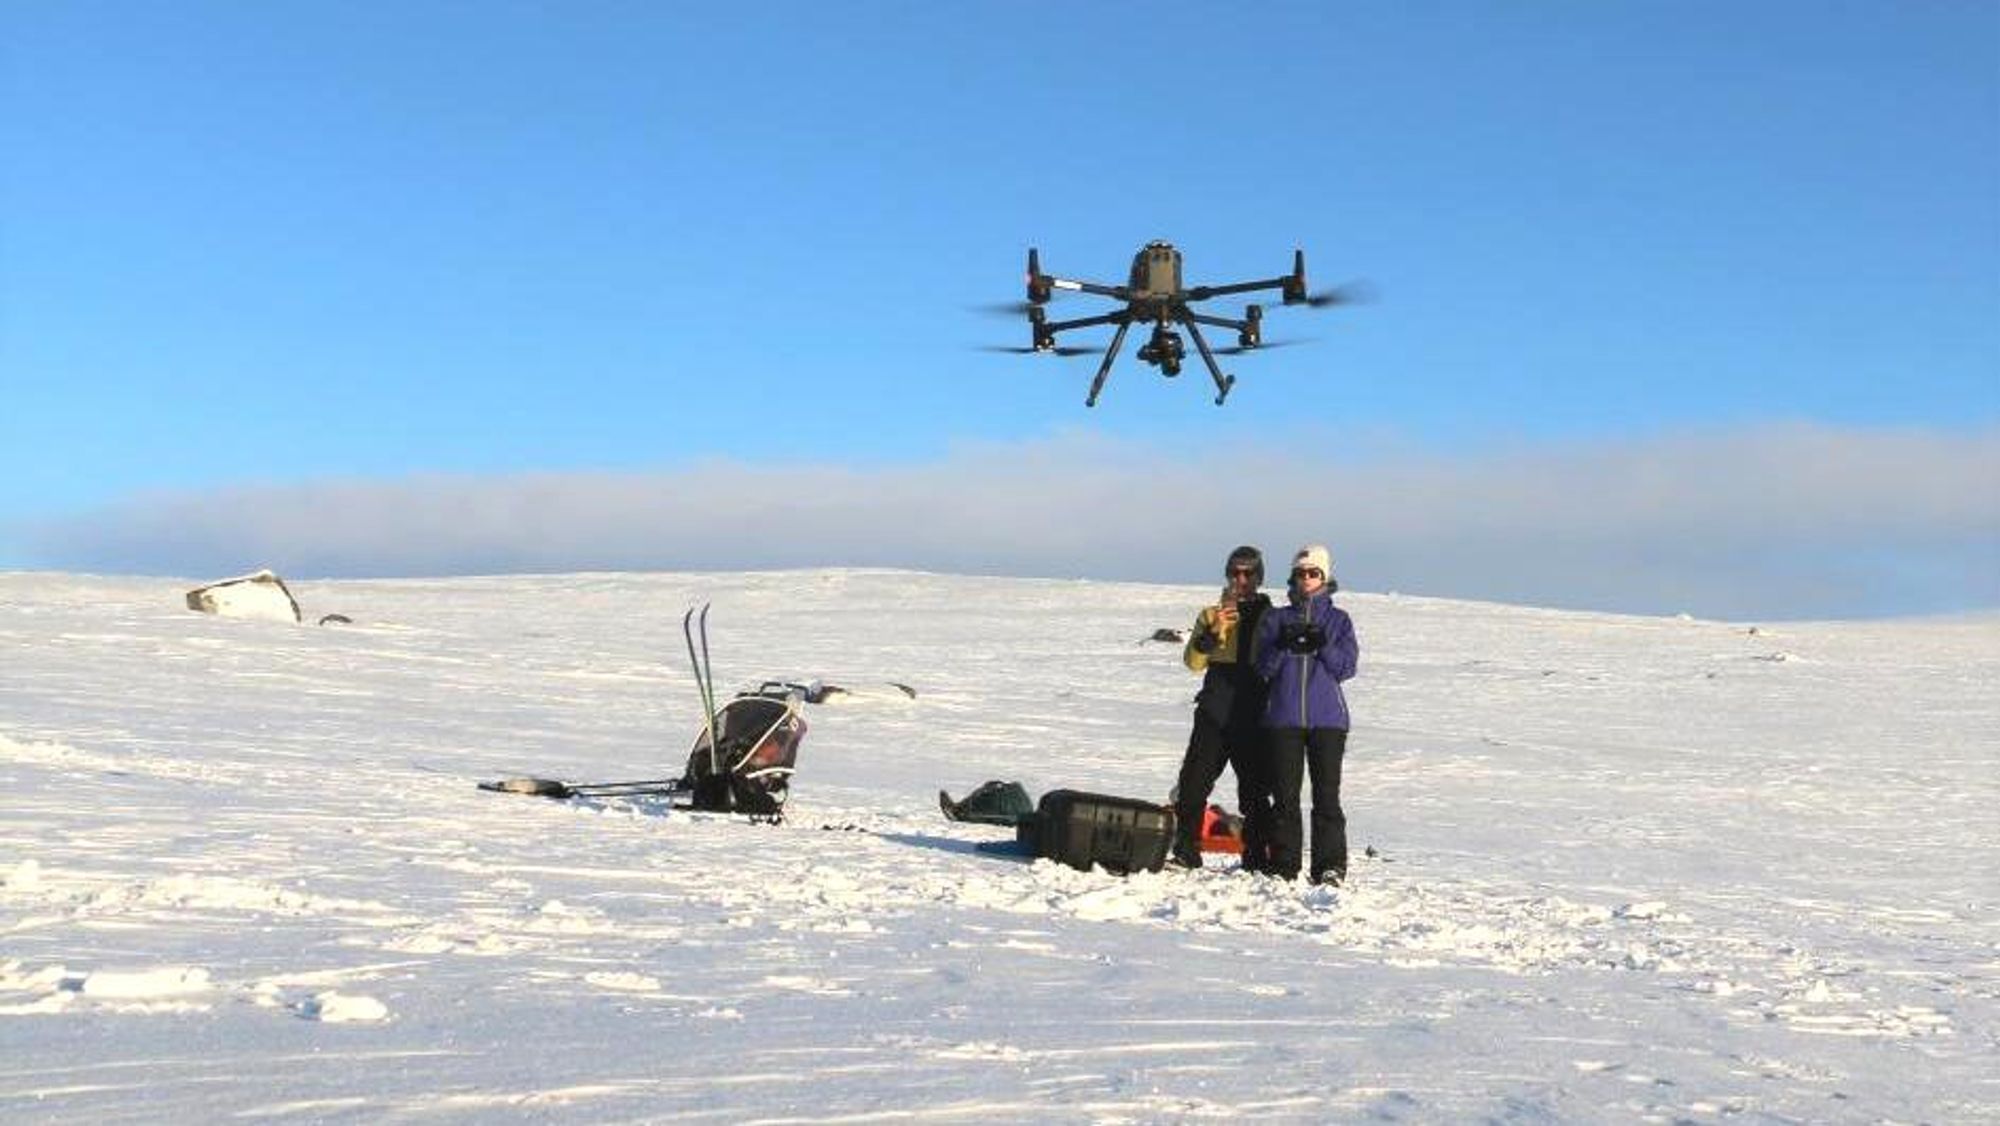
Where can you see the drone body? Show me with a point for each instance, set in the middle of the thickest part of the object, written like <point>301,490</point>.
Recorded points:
<point>1154,294</point>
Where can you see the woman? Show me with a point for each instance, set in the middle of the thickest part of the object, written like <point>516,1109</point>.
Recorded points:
<point>1304,650</point>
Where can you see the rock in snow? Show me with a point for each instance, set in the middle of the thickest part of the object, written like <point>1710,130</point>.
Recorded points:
<point>259,594</point>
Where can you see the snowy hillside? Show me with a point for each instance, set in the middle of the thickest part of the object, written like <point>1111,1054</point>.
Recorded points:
<point>1630,869</point>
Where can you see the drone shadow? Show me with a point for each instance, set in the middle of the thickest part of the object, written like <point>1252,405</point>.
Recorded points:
<point>997,849</point>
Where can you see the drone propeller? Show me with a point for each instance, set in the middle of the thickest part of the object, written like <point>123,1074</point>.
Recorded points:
<point>1058,350</point>
<point>1004,308</point>
<point>1352,293</point>
<point>1238,349</point>
<point>1011,308</point>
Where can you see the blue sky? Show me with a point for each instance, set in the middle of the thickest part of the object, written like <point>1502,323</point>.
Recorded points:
<point>276,249</point>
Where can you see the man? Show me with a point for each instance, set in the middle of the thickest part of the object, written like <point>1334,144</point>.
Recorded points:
<point>1227,715</point>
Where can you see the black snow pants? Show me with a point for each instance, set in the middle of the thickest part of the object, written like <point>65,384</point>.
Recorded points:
<point>1211,746</point>
<point>1292,752</point>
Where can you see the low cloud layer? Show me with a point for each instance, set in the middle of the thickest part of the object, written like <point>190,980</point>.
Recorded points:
<point>1777,522</point>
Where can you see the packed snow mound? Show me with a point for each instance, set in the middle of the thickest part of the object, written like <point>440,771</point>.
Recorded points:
<point>259,594</point>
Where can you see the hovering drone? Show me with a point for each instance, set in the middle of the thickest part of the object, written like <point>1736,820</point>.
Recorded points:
<point>1155,295</point>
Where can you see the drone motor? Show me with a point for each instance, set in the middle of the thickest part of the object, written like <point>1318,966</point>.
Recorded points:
<point>1251,334</point>
<point>1040,285</point>
<point>1038,323</point>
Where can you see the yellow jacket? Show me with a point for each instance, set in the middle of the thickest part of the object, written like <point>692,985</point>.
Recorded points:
<point>1224,652</point>
<point>1232,693</point>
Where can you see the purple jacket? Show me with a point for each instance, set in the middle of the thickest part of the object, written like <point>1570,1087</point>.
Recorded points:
<point>1305,687</point>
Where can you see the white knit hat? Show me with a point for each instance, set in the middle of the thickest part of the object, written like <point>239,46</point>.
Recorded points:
<point>1314,555</point>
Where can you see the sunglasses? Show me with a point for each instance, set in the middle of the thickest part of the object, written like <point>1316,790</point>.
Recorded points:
<point>1241,572</point>
<point>1308,573</point>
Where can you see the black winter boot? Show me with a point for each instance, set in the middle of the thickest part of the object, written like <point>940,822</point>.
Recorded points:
<point>1187,853</point>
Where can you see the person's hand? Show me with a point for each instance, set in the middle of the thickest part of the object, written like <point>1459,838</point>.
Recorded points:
<point>1225,616</point>
<point>1297,637</point>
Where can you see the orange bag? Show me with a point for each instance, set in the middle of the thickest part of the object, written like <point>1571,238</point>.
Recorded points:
<point>1221,830</point>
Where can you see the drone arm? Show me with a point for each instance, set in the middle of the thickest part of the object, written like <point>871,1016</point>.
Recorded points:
<point>1204,292</point>
<point>1222,382</point>
<point>1218,322</point>
<point>1115,291</point>
<point>1104,369</point>
<point>1053,327</point>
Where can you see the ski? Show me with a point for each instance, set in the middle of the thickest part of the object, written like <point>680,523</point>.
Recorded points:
<point>703,679</point>
<point>708,695</point>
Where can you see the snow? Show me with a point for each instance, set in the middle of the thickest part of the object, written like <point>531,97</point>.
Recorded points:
<point>1629,868</point>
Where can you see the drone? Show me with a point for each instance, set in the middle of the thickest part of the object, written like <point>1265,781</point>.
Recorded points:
<point>1154,295</point>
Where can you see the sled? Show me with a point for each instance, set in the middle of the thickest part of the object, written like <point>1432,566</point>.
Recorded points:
<point>748,766</point>
<point>742,760</point>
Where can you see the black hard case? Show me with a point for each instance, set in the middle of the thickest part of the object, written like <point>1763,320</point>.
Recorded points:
<point>1124,835</point>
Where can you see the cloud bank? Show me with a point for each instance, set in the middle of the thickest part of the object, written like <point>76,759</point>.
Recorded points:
<point>1772,522</point>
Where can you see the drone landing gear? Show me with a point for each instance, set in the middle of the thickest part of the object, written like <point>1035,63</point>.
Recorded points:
<point>1104,369</point>
<point>1222,382</point>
